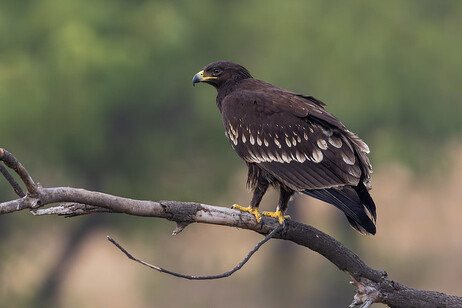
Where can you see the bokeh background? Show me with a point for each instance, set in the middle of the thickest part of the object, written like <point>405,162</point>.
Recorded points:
<point>97,94</point>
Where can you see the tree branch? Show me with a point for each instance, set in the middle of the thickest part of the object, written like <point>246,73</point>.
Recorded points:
<point>373,286</point>
<point>16,187</point>
<point>192,277</point>
<point>11,162</point>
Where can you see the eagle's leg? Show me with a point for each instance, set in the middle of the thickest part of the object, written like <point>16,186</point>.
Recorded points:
<point>260,190</point>
<point>284,198</point>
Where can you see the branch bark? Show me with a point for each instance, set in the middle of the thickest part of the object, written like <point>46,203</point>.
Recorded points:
<point>373,286</point>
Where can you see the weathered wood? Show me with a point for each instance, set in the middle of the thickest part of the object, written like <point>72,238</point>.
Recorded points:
<point>372,285</point>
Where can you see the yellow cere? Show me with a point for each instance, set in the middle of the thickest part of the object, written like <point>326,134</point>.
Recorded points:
<point>201,73</point>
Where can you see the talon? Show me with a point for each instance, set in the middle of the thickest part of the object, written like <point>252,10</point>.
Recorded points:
<point>251,210</point>
<point>279,215</point>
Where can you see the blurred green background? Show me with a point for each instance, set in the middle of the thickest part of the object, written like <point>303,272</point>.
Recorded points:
<point>98,95</point>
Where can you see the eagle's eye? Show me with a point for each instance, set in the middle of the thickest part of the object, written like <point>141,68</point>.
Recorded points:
<point>216,71</point>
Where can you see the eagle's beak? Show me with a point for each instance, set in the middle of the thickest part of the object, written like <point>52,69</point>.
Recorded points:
<point>198,77</point>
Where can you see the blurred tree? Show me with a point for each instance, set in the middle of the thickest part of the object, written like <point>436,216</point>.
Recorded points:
<point>98,94</point>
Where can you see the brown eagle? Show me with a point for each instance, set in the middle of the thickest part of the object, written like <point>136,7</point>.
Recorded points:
<point>290,141</point>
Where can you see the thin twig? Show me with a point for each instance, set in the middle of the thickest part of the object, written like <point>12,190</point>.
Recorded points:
<point>192,277</point>
<point>11,162</point>
<point>16,187</point>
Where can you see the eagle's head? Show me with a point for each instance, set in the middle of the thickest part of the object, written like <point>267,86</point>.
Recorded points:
<point>220,72</point>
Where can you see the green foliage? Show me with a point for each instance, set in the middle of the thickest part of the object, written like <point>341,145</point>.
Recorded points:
<point>98,93</point>
<point>103,89</point>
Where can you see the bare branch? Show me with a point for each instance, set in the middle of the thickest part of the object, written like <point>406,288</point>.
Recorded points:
<point>373,286</point>
<point>18,205</point>
<point>16,187</point>
<point>71,210</point>
<point>192,277</point>
<point>11,162</point>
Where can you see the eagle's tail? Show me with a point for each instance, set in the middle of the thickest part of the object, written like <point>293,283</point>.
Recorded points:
<point>354,201</point>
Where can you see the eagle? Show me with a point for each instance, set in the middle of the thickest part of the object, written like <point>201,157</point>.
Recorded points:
<point>291,142</point>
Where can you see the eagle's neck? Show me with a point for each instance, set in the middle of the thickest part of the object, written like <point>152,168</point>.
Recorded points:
<point>227,88</point>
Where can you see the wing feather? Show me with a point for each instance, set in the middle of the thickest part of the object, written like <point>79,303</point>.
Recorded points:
<point>294,139</point>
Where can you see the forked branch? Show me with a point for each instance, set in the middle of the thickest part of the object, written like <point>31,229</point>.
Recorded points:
<point>373,286</point>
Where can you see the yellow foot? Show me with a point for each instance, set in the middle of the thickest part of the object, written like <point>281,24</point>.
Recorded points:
<point>253,211</point>
<point>278,215</point>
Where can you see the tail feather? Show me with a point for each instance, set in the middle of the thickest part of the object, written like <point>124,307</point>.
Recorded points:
<point>355,202</point>
<point>366,199</point>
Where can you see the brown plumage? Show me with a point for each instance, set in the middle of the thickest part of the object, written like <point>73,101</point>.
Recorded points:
<point>290,141</point>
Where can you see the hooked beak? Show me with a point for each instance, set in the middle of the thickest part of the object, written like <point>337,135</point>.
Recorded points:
<point>199,77</point>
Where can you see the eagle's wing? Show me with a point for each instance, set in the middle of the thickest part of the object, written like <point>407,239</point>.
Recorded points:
<point>295,139</point>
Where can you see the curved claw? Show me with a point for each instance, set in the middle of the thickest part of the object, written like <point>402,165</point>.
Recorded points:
<point>279,215</point>
<point>251,210</point>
